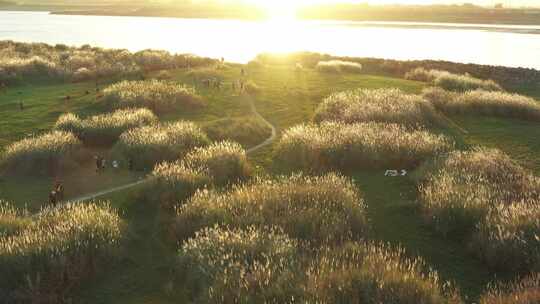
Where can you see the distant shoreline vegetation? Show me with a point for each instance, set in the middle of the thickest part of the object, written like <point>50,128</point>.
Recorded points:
<point>466,13</point>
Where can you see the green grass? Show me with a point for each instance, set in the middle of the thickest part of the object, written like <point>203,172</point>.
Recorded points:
<point>286,98</point>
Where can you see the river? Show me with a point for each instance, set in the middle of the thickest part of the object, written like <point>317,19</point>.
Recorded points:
<point>241,41</point>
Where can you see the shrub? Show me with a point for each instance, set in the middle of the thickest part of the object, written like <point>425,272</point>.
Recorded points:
<point>254,265</point>
<point>149,145</point>
<point>315,209</point>
<point>47,153</point>
<point>452,82</point>
<point>105,129</point>
<point>381,105</point>
<point>525,291</point>
<point>368,273</point>
<point>334,145</point>
<point>59,248</point>
<point>485,103</point>
<point>464,186</point>
<point>83,74</point>
<point>157,95</point>
<point>338,66</point>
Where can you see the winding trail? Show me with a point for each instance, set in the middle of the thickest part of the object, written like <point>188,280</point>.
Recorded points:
<point>251,150</point>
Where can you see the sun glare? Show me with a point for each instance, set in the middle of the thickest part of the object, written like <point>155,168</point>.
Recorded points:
<point>280,9</point>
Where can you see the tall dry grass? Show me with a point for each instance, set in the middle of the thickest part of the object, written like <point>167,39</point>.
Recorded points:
<point>333,145</point>
<point>254,265</point>
<point>30,61</point>
<point>316,209</point>
<point>219,164</point>
<point>485,103</point>
<point>46,153</point>
<point>452,82</point>
<point>149,145</point>
<point>484,195</point>
<point>105,129</point>
<point>371,273</point>
<point>379,105</point>
<point>157,95</point>
<point>524,291</point>
<point>57,249</point>
<point>338,66</point>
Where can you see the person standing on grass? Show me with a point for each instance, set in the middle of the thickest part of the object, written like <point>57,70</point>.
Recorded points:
<point>21,105</point>
<point>98,163</point>
<point>59,189</point>
<point>130,164</point>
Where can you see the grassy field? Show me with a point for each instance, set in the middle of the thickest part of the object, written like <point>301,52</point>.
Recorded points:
<point>286,97</point>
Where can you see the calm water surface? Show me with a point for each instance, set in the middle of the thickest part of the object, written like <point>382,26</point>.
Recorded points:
<point>241,41</point>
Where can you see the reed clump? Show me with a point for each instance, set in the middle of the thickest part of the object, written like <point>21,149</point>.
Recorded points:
<point>379,105</point>
<point>374,273</point>
<point>56,249</point>
<point>158,95</point>
<point>254,265</point>
<point>321,209</point>
<point>149,145</point>
<point>43,154</point>
<point>338,67</point>
<point>335,145</point>
<point>452,82</point>
<point>484,196</point>
<point>524,291</point>
<point>485,103</point>
<point>105,129</point>
<point>220,164</point>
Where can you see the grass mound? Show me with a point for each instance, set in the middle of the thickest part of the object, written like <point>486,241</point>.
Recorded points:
<point>239,266</point>
<point>105,129</point>
<point>484,193</point>
<point>149,145</point>
<point>44,154</point>
<point>219,164</point>
<point>525,291</point>
<point>315,209</point>
<point>452,82</point>
<point>485,103</point>
<point>57,249</point>
<point>338,66</point>
<point>248,131</point>
<point>367,273</point>
<point>334,145</point>
<point>157,95</point>
<point>381,105</point>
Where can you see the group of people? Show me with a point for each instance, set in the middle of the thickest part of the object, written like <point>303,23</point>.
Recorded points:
<point>101,164</point>
<point>57,193</point>
<point>214,83</point>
